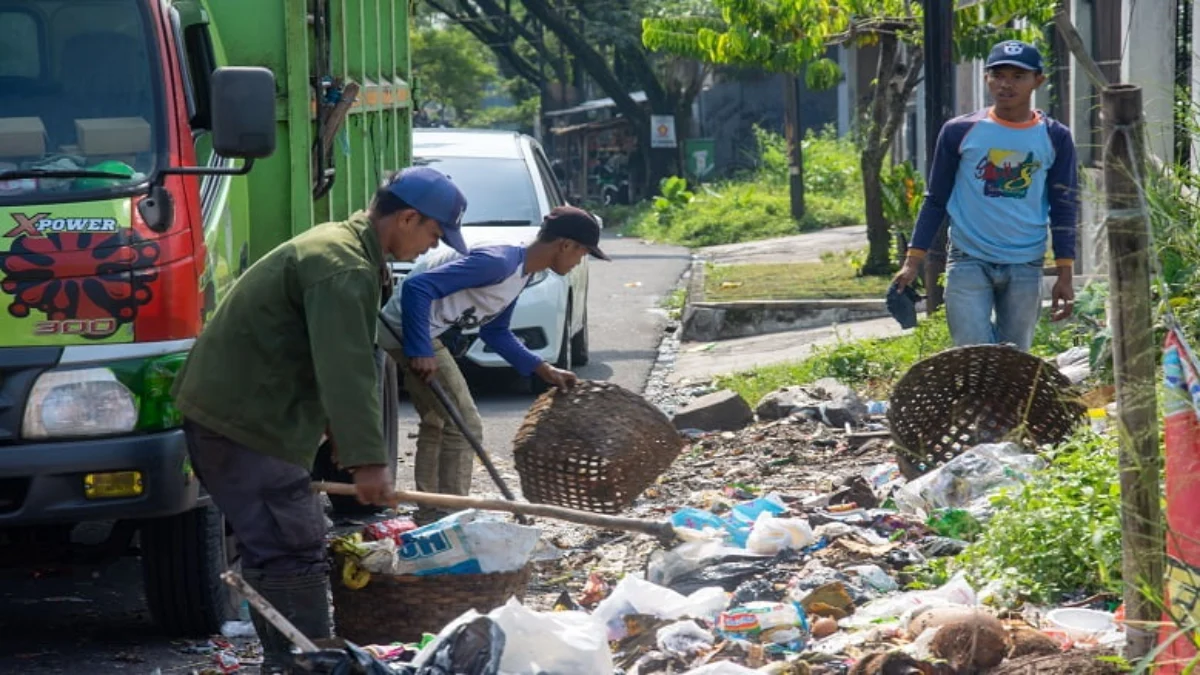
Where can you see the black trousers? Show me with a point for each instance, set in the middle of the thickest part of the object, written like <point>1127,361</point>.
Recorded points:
<point>268,502</point>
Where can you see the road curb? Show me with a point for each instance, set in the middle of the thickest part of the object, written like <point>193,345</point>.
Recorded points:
<point>708,321</point>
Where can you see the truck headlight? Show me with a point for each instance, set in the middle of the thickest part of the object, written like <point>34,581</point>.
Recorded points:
<point>73,403</point>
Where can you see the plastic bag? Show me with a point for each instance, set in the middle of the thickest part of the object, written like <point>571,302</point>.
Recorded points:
<point>683,639</point>
<point>770,535</point>
<point>723,668</point>
<point>555,643</point>
<point>874,577</point>
<point>472,648</point>
<point>667,567</point>
<point>634,595</point>
<point>976,473</point>
<point>737,523</point>
<point>955,592</point>
<point>465,543</point>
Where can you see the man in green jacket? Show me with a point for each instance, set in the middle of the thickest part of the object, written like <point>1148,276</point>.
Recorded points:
<point>288,353</point>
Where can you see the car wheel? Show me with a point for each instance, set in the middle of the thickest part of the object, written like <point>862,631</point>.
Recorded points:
<point>537,384</point>
<point>579,342</point>
<point>324,467</point>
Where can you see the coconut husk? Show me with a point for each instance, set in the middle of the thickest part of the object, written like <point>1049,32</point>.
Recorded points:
<point>1063,663</point>
<point>971,644</point>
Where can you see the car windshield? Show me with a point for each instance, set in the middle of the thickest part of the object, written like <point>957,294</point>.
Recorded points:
<point>499,191</point>
<point>77,97</point>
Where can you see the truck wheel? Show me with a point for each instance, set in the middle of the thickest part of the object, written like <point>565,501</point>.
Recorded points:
<point>183,557</point>
<point>324,467</point>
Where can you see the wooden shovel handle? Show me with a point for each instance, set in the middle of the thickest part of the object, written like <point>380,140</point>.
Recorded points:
<point>656,528</point>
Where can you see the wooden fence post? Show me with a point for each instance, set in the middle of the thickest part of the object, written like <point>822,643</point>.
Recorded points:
<point>1135,362</point>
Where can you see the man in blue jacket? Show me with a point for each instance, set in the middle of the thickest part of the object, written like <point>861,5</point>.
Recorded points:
<point>478,290</point>
<point>1001,174</point>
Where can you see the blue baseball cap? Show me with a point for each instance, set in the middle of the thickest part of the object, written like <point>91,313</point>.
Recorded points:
<point>1015,53</point>
<point>433,195</point>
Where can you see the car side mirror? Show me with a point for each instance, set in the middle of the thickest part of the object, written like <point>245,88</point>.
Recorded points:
<point>243,112</point>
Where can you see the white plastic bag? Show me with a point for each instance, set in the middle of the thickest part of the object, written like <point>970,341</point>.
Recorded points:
<point>770,535</point>
<point>551,643</point>
<point>723,668</point>
<point>901,606</point>
<point>635,595</point>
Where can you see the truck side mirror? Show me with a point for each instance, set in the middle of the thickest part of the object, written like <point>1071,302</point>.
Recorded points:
<point>243,112</point>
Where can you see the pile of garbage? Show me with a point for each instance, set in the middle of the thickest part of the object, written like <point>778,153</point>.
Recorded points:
<point>796,537</point>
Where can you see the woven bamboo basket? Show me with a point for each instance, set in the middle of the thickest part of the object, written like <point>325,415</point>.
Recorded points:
<point>965,396</point>
<point>595,448</point>
<point>402,608</point>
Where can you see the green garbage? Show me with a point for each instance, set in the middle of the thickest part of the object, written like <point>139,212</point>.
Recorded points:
<point>955,523</point>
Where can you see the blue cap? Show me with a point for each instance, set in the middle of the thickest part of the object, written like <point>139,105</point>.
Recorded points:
<point>433,195</point>
<point>1015,53</point>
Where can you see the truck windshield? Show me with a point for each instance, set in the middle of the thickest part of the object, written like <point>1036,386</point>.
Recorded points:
<point>77,98</point>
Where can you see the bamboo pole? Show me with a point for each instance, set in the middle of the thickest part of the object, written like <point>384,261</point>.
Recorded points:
<point>1135,363</point>
<point>268,611</point>
<point>656,528</point>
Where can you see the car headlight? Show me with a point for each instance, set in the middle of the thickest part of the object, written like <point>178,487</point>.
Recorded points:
<point>74,403</point>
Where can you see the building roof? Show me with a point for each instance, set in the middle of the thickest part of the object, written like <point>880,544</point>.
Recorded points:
<point>596,104</point>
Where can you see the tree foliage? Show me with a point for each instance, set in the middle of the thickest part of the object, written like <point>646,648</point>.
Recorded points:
<point>794,36</point>
<point>456,70</point>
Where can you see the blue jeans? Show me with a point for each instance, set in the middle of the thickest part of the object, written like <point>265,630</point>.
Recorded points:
<point>976,289</point>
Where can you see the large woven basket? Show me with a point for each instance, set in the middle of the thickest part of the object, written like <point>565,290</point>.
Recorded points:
<point>966,396</point>
<point>595,448</point>
<point>402,608</point>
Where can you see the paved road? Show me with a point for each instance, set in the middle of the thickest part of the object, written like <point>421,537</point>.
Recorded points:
<point>92,623</point>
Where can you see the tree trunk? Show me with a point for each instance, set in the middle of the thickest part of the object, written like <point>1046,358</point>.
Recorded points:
<point>879,230</point>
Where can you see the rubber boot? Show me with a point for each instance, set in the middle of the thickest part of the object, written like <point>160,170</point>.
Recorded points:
<point>303,600</point>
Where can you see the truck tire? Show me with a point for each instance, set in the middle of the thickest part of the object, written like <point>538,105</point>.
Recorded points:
<point>324,467</point>
<point>183,557</point>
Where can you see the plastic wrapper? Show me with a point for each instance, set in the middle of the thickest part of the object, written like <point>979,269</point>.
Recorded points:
<point>695,564</point>
<point>902,605</point>
<point>683,639</point>
<point>977,473</point>
<point>874,577</point>
<point>780,623</point>
<point>388,529</point>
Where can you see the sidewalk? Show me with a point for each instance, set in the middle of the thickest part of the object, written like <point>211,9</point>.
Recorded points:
<point>701,361</point>
<point>806,247</point>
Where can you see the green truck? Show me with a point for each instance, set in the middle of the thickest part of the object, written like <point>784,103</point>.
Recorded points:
<point>150,151</point>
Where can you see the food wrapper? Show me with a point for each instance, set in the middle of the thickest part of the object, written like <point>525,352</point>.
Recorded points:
<point>780,623</point>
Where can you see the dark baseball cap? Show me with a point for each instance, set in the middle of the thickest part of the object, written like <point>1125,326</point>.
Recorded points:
<point>1015,53</point>
<point>568,222</point>
<point>433,195</point>
<point>903,305</point>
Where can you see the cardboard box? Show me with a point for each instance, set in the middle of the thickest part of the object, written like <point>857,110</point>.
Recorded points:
<point>22,137</point>
<point>112,136</point>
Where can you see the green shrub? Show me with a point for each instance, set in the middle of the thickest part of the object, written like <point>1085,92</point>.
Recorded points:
<point>1057,535</point>
<point>757,205</point>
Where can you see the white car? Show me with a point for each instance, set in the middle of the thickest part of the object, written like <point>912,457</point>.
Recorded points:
<point>509,188</point>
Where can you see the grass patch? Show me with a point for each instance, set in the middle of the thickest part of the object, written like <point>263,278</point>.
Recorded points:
<point>826,280</point>
<point>674,303</point>
<point>872,365</point>
<point>757,205</point>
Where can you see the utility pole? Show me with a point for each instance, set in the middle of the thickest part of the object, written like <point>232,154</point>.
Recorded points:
<point>1135,355</point>
<point>794,134</point>
<point>939,108</point>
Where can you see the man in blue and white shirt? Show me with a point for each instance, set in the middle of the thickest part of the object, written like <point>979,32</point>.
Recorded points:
<point>477,290</point>
<point>1002,174</point>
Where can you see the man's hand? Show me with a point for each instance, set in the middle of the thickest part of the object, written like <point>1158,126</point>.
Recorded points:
<point>907,273</point>
<point>563,379</point>
<point>1062,296</point>
<point>424,367</point>
<point>375,485</point>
